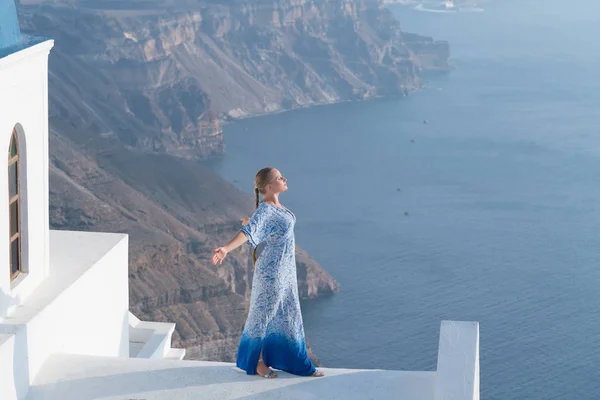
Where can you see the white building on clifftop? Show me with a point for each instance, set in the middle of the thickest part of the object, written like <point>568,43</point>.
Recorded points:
<point>65,329</point>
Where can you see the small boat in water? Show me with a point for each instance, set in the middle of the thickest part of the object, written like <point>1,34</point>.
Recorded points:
<point>447,6</point>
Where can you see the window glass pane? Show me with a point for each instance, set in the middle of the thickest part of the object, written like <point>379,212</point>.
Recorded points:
<point>12,176</point>
<point>13,147</point>
<point>14,256</point>
<point>14,218</point>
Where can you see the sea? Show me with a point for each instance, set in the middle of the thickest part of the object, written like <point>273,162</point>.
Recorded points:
<point>476,198</point>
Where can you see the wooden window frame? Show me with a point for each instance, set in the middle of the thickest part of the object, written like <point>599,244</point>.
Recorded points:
<point>11,200</point>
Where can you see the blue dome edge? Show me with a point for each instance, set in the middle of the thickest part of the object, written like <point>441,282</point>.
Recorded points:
<point>10,31</point>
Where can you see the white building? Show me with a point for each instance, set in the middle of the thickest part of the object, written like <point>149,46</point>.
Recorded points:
<point>65,328</point>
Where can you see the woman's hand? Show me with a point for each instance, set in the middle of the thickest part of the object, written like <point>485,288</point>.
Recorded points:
<point>245,221</point>
<point>219,255</point>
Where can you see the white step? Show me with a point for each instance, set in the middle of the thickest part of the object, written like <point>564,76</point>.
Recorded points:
<point>134,348</point>
<point>175,354</point>
<point>150,339</point>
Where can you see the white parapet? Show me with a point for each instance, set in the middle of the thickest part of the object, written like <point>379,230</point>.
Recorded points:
<point>458,361</point>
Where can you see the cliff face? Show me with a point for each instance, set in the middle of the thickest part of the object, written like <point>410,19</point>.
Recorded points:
<point>137,96</point>
<point>164,72</point>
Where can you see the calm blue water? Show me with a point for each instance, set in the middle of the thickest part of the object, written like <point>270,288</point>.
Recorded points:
<point>502,191</point>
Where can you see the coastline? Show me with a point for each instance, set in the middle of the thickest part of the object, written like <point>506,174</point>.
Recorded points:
<point>231,120</point>
<point>407,93</point>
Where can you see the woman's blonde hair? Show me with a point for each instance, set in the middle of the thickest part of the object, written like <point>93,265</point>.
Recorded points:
<point>261,180</point>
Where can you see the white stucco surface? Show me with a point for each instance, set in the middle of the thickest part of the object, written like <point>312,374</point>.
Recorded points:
<point>81,308</point>
<point>80,378</point>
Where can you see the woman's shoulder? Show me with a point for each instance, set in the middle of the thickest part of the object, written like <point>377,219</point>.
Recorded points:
<point>263,208</point>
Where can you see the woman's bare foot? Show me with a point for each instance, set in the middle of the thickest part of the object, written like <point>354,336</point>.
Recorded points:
<point>264,371</point>
<point>318,373</point>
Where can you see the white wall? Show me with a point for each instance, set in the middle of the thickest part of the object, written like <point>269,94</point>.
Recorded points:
<point>89,316</point>
<point>24,103</point>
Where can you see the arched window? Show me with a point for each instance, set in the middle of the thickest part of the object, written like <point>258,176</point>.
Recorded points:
<point>14,205</point>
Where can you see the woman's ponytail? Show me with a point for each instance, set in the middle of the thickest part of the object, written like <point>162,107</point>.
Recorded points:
<point>261,180</point>
<point>254,251</point>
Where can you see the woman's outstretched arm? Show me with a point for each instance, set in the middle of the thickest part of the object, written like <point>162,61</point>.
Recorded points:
<point>239,239</point>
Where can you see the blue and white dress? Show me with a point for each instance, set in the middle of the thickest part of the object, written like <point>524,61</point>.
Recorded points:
<point>274,323</point>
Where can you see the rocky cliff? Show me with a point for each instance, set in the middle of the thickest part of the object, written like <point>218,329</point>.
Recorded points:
<point>138,92</point>
<point>161,81</point>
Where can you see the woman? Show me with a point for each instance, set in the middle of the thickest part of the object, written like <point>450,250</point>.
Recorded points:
<point>273,334</point>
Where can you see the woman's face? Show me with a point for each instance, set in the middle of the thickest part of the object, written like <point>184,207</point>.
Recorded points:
<point>278,182</point>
